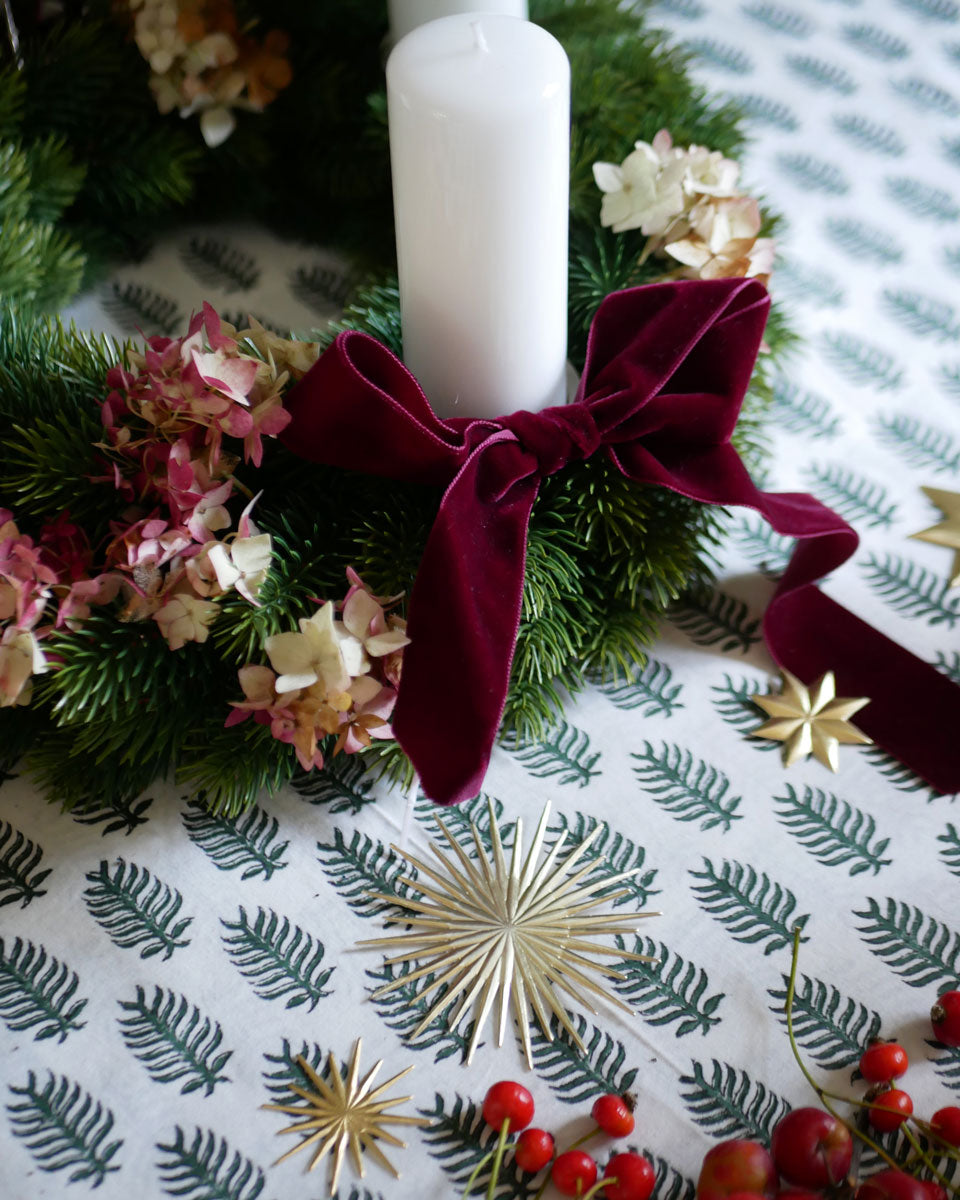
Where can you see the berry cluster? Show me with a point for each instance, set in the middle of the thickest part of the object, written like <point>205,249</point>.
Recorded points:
<point>508,1108</point>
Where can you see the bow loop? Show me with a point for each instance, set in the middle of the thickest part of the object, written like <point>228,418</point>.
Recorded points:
<point>555,436</point>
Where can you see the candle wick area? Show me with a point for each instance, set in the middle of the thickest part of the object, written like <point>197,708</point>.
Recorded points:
<point>478,37</point>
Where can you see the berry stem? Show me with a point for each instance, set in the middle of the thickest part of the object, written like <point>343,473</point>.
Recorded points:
<point>601,1183</point>
<point>498,1158</point>
<point>476,1171</point>
<point>928,1162</point>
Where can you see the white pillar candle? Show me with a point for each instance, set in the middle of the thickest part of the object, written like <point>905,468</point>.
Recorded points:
<point>479,110</point>
<point>408,14</point>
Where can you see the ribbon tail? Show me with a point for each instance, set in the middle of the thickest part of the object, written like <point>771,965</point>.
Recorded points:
<point>464,615</point>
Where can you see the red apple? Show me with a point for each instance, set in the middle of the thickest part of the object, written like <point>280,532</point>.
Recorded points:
<point>736,1166</point>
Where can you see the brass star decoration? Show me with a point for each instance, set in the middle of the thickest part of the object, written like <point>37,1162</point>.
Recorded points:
<point>810,720</point>
<point>518,934</point>
<point>345,1114</point>
<point>947,531</point>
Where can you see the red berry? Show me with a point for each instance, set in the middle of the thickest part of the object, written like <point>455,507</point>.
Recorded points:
<point>890,1110</point>
<point>533,1150</point>
<point>738,1165</point>
<point>891,1185</point>
<point>945,1016</point>
<point>934,1190</point>
<point>508,1101</point>
<point>883,1061</point>
<point>574,1173</point>
<point>635,1177</point>
<point>945,1123</point>
<point>811,1148</point>
<point>614,1115</point>
<point>789,1193</point>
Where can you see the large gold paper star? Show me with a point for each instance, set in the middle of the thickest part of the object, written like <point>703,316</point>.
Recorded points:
<point>810,720</point>
<point>947,531</point>
<point>345,1114</point>
<point>517,934</point>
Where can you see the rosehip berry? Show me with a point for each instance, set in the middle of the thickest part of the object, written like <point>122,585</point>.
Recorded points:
<point>533,1150</point>
<point>738,1165</point>
<point>945,1123</point>
<point>933,1189</point>
<point>890,1110</point>
<point>614,1115</point>
<point>945,1016</point>
<point>508,1101</point>
<point>883,1061</point>
<point>635,1178</point>
<point>811,1148</point>
<point>891,1185</point>
<point>573,1173</point>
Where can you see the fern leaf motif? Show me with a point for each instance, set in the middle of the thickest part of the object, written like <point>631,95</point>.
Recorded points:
<point>136,909</point>
<point>820,74</point>
<point>461,819</point>
<point>344,785</point>
<point>134,306</point>
<point>934,10</point>
<point>803,412</point>
<point>753,908</point>
<point>669,1183</point>
<point>687,787</point>
<point>832,830</point>
<point>38,992</point>
<point>611,853</point>
<point>360,867</point>
<point>246,842</point>
<point>863,242</point>
<point>853,496</point>
<point>949,666</point>
<point>562,756</point>
<point>901,777</point>
<point>690,10</point>
<point>19,858</point>
<point>405,1007</point>
<point>288,1071</point>
<point>576,1074</point>
<point>947,1064</point>
<point>951,849</point>
<point>719,55</point>
<point>765,111</point>
<point>919,948</point>
<point>813,174</point>
<point>919,445</point>
<point>174,1040</point>
<point>651,690</point>
<point>779,18</point>
<point>948,377</point>
<point>321,287</point>
<point>205,1169</point>
<point>277,957</point>
<point>218,264</point>
<point>735,705</point>
<point>710,617</point>
<point>767,549</point>
<point>668,990</point>
<point>868,135</point>
<point>64,1128</point>
<point>730,1103</point>
<point>809,285</point>
<point>921,314</point>
<point>927,96</point>
<point>876,43</point>
<point>862,363</point>
<point>833,1027</point>
<point>921,199</point>
<point>116,813</point>
<point>458,1138</point>
<point>912,590</point>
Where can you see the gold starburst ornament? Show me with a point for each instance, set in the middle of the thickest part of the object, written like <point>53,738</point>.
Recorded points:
<point>345,1114</point>
<point>518,934</point>
<point>947,531</point>
<point>810,720</point>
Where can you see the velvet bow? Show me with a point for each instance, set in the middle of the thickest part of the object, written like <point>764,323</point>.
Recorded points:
<point>666,370</point>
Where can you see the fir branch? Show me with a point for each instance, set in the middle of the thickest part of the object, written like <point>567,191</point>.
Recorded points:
<point>38,992</point>
<point>611,853</point>
<point>462,819</point>
<point>804,413</point>
<point>918,444</point>
<point>894,771</point>
<point>863,242</point>
<point>137,307</point>
<point>361,867</point>
<point>322,288</point>
<point>459,1138</point>
<point>922,200</point>
<point>950,666</point>
<point>875,43</point>
<point>288,1071</point>
<point>564,755</point>
<point>115,813</point>
<point>869,135</point>
<point>403,1008</point>
<point>736,706</point>
<point>862,363</point>
<point>923,315</point>
<point>218,264</point>
<point>688,788</point>
<point>769,550</point>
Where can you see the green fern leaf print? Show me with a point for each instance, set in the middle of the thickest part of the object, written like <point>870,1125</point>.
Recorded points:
<point>803,412</point>
<point>834,832</point>
<point>690,10</point>
<point>922,200</point>
<point>611,854</point>
<point>948,378</point>
<point>813,174</point>
<point>763,110</point>
<point>807,284</point>
<point>779,18</point>
<point>834,1028</point>
<point>719,55</point>
<point>768,550</point>
<point>821,75</point>
<point>950,853</point>
<point>731,1104</point>
<point>734,702</point>
<point>173,1040</point>
<point>853,496</point>
<point>919,948</point>
<point>875,43</point>
<point>345,785</point>
<point>277,957</point>
<point>901,777</point>
<point>868,135</point>
<point>921,314</point>
<point>64,1128</point>
<point>458,1138</point>
<point>946,1063</point>
<point>205,1169</point>
<point>926,96</point>
<point>19,858</point>
<point>361,867</point>
<point>917,444</point>
<point>950,666</point>
<point>669,1183</point>
<point>687,787</point>
<point>246,843</point>
<point>574,1074</point>
<point>710,617</point>
<point>668,990</point>
<point>934,10</point>
<point>135,909</point>
<point>862,363</point>
<point>651,690</point>
<point>115,814</point>
<point>462,819</point>
<point>912,590</point>
<point>863,242</point>
<point>751,906</point>
<point>403,1008</point>
<point>563,756</point>
<point>321,287</point>
<point>38,992</point>
<point>134,307</point>
<point>216,263</point>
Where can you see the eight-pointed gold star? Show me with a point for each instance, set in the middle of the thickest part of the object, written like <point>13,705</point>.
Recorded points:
<point>810,720</point>
<point>345,1114</point>
<point>947,531</point>
<point>516,934</point>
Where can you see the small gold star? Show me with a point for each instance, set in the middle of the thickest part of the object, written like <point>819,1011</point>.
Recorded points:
<point>810,720</point>
<point>345,1114</point>
<point>946,532</point>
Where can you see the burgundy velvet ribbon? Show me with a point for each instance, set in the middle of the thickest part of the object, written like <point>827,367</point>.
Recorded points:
<point>666,370</point>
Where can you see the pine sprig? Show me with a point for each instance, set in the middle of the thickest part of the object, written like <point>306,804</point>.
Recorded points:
<point>853,496</point>
<point>174,1040</point>
<point>734,702</point>
<point>687,787</point>
<point>729,1103</point>
<point>752,907</point>
<point>918,444</point>
<point>38,992</point>
<point>612,853</point>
